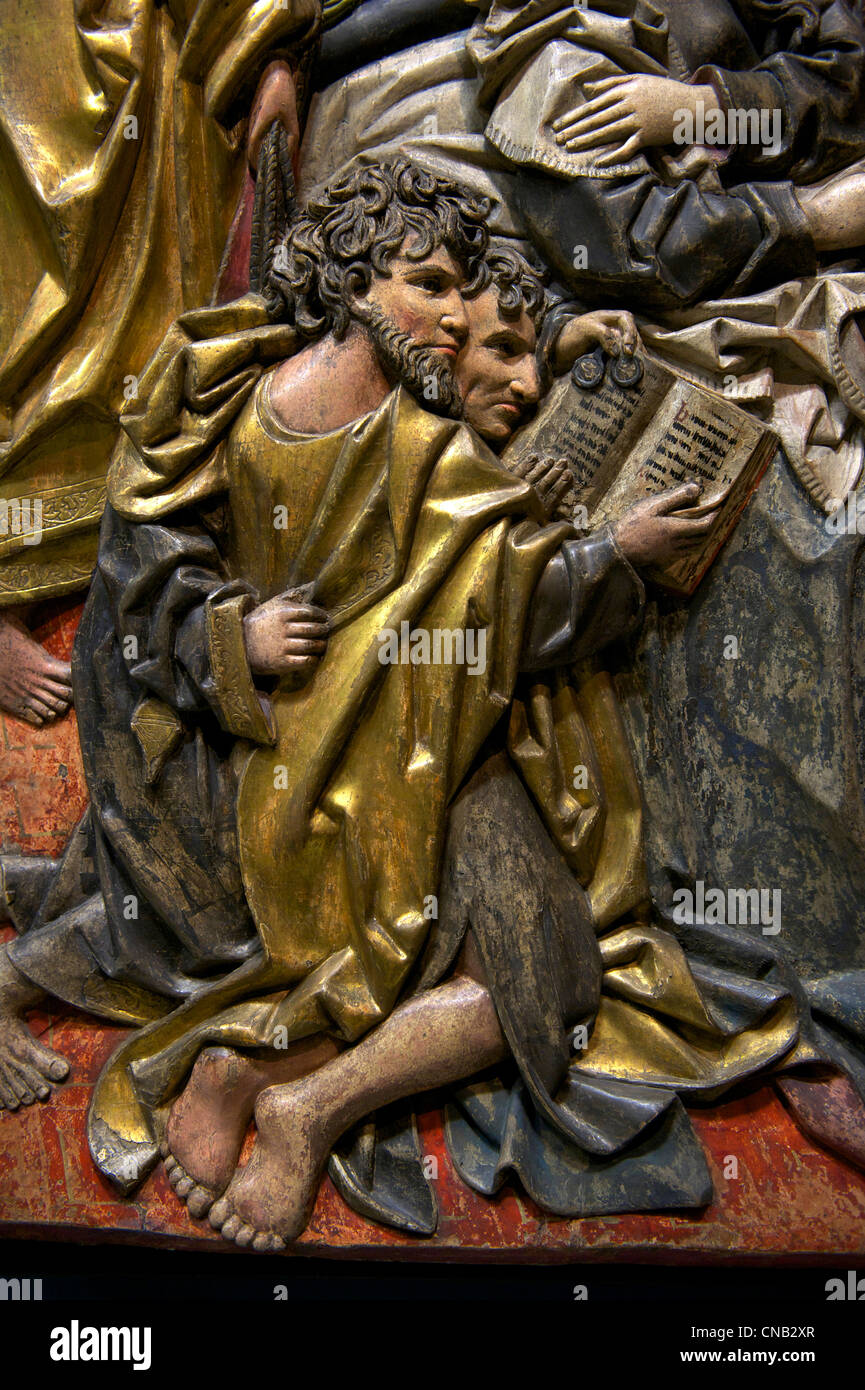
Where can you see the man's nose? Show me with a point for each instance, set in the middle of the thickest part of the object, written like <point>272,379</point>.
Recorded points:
<point>526,383</point>
<point>454,319</point>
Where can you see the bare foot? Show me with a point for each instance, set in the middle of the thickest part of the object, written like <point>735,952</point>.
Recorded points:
<point>269,1202</point>
<point>33,685</point>
<point>27,1069</point>
<point>208,1122</point>
<point>207,1125</point>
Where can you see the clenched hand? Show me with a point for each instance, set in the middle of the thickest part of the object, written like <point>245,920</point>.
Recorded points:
<point>286,637</point>
<point>612,329</point>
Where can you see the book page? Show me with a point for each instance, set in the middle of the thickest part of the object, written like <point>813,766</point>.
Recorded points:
<point>693,435</point>
<point>684,573</point>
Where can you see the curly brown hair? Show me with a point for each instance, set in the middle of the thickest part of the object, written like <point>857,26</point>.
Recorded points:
<point>519,284</point>
<point>350,231</point>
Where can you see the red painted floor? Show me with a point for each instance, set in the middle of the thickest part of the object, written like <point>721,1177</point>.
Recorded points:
<point>791,1201</point>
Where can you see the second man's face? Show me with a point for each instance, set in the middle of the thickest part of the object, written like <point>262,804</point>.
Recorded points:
<point>496,371</point>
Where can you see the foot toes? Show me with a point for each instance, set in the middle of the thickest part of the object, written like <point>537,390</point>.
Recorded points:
<point>232,1226</point>
<point>268,1240</point>
<point>45,711</point>
<point>8,1093</point>
<point>47,1062</point>
<point>199,1202</point>
<point>54,702</point>
<point>57,687</point>
<point>17,1083</point>
<point>185,1186</point>
<point>245,1235</point>
<point>61,669</point>
<point>31,1078</point>
<point>170,1163</point>
<point>219,1212</point>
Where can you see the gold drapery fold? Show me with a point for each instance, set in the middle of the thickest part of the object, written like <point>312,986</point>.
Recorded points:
<point>567,729</point>
<point>656,1024</point>
<point>122,158</point>
<point>171,451</point>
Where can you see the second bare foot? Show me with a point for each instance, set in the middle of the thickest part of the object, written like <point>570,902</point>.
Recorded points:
<point>34,685</point>
<point>207,1126</point>
<point>28,1069</point>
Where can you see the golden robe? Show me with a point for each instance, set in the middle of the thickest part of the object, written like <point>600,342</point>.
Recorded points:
<point>121,164</point>
<point>342,806</point>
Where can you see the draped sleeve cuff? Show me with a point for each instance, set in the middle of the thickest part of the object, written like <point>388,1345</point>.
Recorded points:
<point>241,708</point>
<point>786,251</point>
<point>588,595</point>
<point>741,91</point>
<point>246,38</point>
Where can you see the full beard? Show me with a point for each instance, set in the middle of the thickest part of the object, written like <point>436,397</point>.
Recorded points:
<point>423,371</point>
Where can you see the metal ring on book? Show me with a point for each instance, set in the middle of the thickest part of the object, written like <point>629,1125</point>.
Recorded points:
<point>588,370</point>
<point>626,371</point>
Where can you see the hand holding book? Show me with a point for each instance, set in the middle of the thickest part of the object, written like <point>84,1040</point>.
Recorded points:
<point>552,479</point>
<point>657,530</point>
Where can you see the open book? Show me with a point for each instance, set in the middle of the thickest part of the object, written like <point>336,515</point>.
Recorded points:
<point>625,443</point>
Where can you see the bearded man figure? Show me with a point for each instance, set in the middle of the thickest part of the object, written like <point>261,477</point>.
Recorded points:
<point>188,625</point>
<point>532,870</point>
